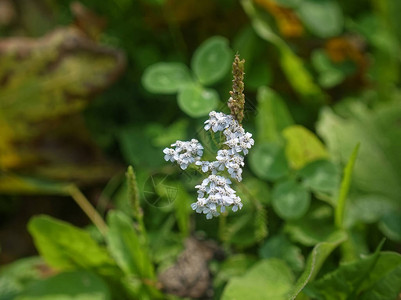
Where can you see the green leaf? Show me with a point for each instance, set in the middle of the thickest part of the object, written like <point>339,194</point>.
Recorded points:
<point>268,279</point>
<point>302,146</point>
<point>390,225</point>
<point>197,101</point>
<point>280,246</point>
<point>372,128</point>
<point>322,17</point>
<point>315,261</point>
<point>78,285</point>
<point>313,227</point>
<point>126,246</point>
<point>368,208</point>
<point>267,161</point>
<point>168,135</point>
<point>64,246</point>
<point>272,117</point>
<point>290,200</point>
<point>320,176</point>
<point>377,276</point>
<point>166,78</point>
<point>345,185</point>
<point>385,278</point>
<point>15,276</point>
<point>377,169</point>
<point>212,60</point>
<point>299,77</point>
<point>234,265</point>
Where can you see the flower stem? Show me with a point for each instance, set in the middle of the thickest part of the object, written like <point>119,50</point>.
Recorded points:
<point>236,103</point>
<point>87,208</point>
<point>133,194</point>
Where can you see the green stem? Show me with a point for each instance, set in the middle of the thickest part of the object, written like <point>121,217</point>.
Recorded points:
<point>133,194</point>
<point>87,208</point>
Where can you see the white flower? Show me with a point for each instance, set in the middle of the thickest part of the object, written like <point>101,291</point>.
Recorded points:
<point>223,156</point>
<point>204,165</point>
<point>235,171</point>
<point>246,142</point>
<point>240,143</point>
<point>169,154</point>
<point>215,193</point>
<point>218,121</point>
<point>234,130</point>
<point>185,153</point>
<point>237,204</point>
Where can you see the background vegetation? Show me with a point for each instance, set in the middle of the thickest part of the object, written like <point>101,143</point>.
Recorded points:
<point>87,89</point>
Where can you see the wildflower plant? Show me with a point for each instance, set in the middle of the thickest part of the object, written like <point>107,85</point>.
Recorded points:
<point>215,193</point>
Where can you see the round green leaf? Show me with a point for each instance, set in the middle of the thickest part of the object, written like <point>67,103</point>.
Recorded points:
<point>280,246</point>
<point>166,78</point>
<point>322,17</point>
<point>234,265</point>
<point>267,160</point>
<point>197,101</point>
<point>212,60</point>
<point>268,279</point>
<point>321,176</point>
<point>290,200</point>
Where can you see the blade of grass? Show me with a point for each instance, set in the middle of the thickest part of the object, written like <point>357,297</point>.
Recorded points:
<point>344,189</point>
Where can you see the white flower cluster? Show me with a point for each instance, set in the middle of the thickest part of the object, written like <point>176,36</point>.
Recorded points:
<point>215,191</point>
<point>185,153</point>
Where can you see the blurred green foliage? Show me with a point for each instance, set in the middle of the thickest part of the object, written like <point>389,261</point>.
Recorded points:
<point>89,89</point>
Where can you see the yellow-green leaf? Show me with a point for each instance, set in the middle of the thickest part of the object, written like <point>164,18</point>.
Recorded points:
<point>302,146</point>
